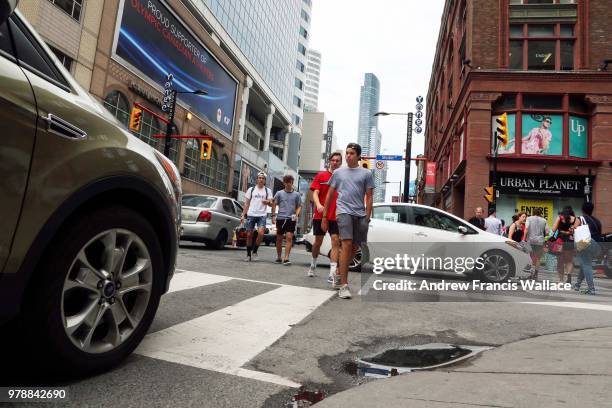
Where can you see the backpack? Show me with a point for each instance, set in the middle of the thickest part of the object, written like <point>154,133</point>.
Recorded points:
<point>251,188</point>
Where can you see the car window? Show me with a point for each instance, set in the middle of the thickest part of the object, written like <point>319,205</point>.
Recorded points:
<point>238,208</point>
<point>227,206</point>
<point>393,213</point>
<point>424,217</point>
<point>5,41</point>
<point>199,201</point>
<point>33,56</point>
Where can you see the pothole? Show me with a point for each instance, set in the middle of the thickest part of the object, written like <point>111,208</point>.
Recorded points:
<point>407,359</point>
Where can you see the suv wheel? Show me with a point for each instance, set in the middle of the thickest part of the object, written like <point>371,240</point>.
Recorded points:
<point>97,292</point>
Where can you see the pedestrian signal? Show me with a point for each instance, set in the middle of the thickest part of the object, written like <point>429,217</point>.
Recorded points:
<point>365,164</point>
<point>206,150</point>
<point>489,194</point>
<point>135,119</point>
<point>502,129</point>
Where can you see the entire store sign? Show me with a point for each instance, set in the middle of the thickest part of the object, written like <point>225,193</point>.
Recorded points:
<point>153,41</point>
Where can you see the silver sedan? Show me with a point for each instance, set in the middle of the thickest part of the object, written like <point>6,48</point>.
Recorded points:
<point>209,219</point>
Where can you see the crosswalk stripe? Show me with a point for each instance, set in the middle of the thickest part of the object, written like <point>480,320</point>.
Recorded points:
<point>574,305</point>
<point>190,280</point>
<point>228,338</point>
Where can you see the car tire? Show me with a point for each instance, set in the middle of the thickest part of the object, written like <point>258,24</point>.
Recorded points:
<point>355,265</point>
<point>220,241</point>
<point>498,266</point>
<point>79,250</point>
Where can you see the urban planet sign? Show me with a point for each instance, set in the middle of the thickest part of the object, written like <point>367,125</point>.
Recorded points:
<point>539,185</point>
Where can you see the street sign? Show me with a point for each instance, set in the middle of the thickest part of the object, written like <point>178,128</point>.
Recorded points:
<point>167,101</point>
<point>418,122</point>
<point>419,99</point>
<point>419,114</point>
<point>419,106</point>
<point>398,157</point>
<point>380,164</point>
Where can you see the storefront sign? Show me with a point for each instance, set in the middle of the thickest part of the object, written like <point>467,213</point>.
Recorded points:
<point>527,206</point>
<point>151,40</point>
<point>430,177</point>
<point>578,137</point>
<point>542,185</point>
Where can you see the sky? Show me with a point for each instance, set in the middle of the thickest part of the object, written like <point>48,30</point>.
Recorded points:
<point>395,40</point>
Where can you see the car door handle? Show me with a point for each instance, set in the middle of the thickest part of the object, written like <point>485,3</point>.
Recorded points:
<point>420,234</point>
<point>63,128</point>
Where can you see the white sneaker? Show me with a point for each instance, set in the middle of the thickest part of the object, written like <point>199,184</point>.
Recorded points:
<point>254,256</point>
<point>247,259</point>
<point>330,278</point>
<point>344,292</point>
<point>311,271</point>
<point>336,283</point>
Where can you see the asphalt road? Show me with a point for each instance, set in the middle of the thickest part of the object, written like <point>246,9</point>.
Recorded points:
<point>237,334</point>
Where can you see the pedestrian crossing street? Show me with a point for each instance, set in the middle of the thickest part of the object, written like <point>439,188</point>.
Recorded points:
<point>226,339</point>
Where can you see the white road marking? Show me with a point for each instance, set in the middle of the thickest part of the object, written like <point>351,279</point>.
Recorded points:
<point>228,338</point>
<point>574,305</point>
<point>190,280</point>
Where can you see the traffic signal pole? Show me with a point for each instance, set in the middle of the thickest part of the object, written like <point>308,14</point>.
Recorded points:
<point>406,197</point>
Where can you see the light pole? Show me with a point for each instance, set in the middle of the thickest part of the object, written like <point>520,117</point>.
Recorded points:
<point>400,187</point>
<point>408,150</point>
<point>168,142</point>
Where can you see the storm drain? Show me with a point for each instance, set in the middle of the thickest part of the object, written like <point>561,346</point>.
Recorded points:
<point>404,360</point>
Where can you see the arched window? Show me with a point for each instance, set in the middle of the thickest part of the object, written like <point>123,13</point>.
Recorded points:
<point>222,173</point>
<point>207,168</point>
<point>117,104</point>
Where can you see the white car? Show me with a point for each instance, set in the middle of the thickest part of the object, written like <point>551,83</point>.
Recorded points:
<point>418,230</point>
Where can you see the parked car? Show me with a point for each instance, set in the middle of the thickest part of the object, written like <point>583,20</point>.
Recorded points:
<point>426,230</point>
<point>270,235</point>
<point>209,219</point>
<point>90,215</point>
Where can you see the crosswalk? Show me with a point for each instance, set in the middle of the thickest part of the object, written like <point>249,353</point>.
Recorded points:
<point>226,339</point>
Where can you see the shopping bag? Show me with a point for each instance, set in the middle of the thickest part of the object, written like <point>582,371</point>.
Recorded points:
<point>582,236</point>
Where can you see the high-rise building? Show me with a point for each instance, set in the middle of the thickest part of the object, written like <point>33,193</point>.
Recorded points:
<point>543,68</point>
<point>368,106</point>
<point>313,75</point>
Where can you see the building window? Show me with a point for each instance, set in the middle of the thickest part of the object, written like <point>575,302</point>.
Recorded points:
<point>297,101</point>
<point>222,173</point>
<point>299,84</point>
<point>118,104</point>
<point>301,49</point>
<point>304,33</point>
<point>544,125</point>
<point>211,173</point>
<point>296,120</point>
<point>64,59</point>
<point>305,16</point>
<point>541,46</point>
<point>72,7</point>
<point>301,67</point>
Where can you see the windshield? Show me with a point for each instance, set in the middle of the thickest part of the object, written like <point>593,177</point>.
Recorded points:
<point>199,201</point>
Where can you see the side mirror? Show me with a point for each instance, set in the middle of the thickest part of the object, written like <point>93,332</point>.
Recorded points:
<point>462,229</point>
<point>6,9</point>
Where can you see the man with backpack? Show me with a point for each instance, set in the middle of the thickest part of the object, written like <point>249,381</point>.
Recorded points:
<point>258,198</point>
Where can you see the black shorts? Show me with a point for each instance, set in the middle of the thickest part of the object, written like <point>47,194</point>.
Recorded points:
<point>284,226</point>
<point>332,229</point>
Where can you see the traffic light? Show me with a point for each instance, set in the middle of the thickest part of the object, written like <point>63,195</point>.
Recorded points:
<point>206,149</point>
<point>365,164</point>
<point>489,194</point>
<point>135,119</point>
<point>502,128</point>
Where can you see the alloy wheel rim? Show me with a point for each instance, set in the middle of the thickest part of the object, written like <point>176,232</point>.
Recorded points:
<point>497,268</point>
<point>106,291</point>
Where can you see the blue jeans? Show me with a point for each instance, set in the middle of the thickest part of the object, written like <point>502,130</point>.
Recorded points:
<point>586,265</point>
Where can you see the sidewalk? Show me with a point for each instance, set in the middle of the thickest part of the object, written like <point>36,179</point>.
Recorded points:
<point>560,370</point>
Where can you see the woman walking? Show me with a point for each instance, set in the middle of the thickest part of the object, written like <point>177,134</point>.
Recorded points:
<point>564,225</point>
<point>517,229</point>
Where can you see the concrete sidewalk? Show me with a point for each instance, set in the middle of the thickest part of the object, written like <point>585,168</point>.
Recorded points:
<point>571,369</point>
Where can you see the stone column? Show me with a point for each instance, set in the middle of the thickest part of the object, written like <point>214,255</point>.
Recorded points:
<point>243,108</point>
<point>268,128</point>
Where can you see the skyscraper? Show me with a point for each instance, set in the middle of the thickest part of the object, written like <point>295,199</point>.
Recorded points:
<point>313,74</point>
<point>368,106</point>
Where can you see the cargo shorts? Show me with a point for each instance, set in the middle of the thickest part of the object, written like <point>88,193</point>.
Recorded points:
<point>353,227</point>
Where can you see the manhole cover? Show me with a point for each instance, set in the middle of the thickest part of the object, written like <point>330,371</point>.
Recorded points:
<point>403,360</point>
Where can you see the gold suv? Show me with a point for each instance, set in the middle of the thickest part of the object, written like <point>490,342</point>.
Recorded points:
<point>89,214</point>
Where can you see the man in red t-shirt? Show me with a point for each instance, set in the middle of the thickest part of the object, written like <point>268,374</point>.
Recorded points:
<point>319,187</point>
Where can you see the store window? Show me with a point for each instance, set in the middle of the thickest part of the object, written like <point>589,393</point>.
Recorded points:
<point>117,103</point>
<point>212,173</point>
<point>548,125</point>
<point>72,7</point>
<point>541,46</point>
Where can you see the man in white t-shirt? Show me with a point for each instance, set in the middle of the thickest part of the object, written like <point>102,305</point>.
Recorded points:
<point>492,223</point>
<point>258,198</point>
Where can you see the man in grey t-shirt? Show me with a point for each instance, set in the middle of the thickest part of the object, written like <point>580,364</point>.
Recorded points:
<point>536,229</point>
<point>354,185</point>
<point>492,223</point>
<point>289,207</point>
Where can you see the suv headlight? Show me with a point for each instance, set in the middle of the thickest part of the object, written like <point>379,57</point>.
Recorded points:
<point>173,175</point>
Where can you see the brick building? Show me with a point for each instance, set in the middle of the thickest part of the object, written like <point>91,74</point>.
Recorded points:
<point>542,62</point>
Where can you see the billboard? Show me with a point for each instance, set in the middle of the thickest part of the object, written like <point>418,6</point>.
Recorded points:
<point>510,147</point>
<point>542,134</point>
<point>430,177</point>
<point>578,137</point>
<point>150,39</point>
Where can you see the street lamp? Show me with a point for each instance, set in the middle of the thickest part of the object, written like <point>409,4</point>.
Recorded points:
<point>400,187</point>
<point>408,150</point>
<point>170,124</point>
